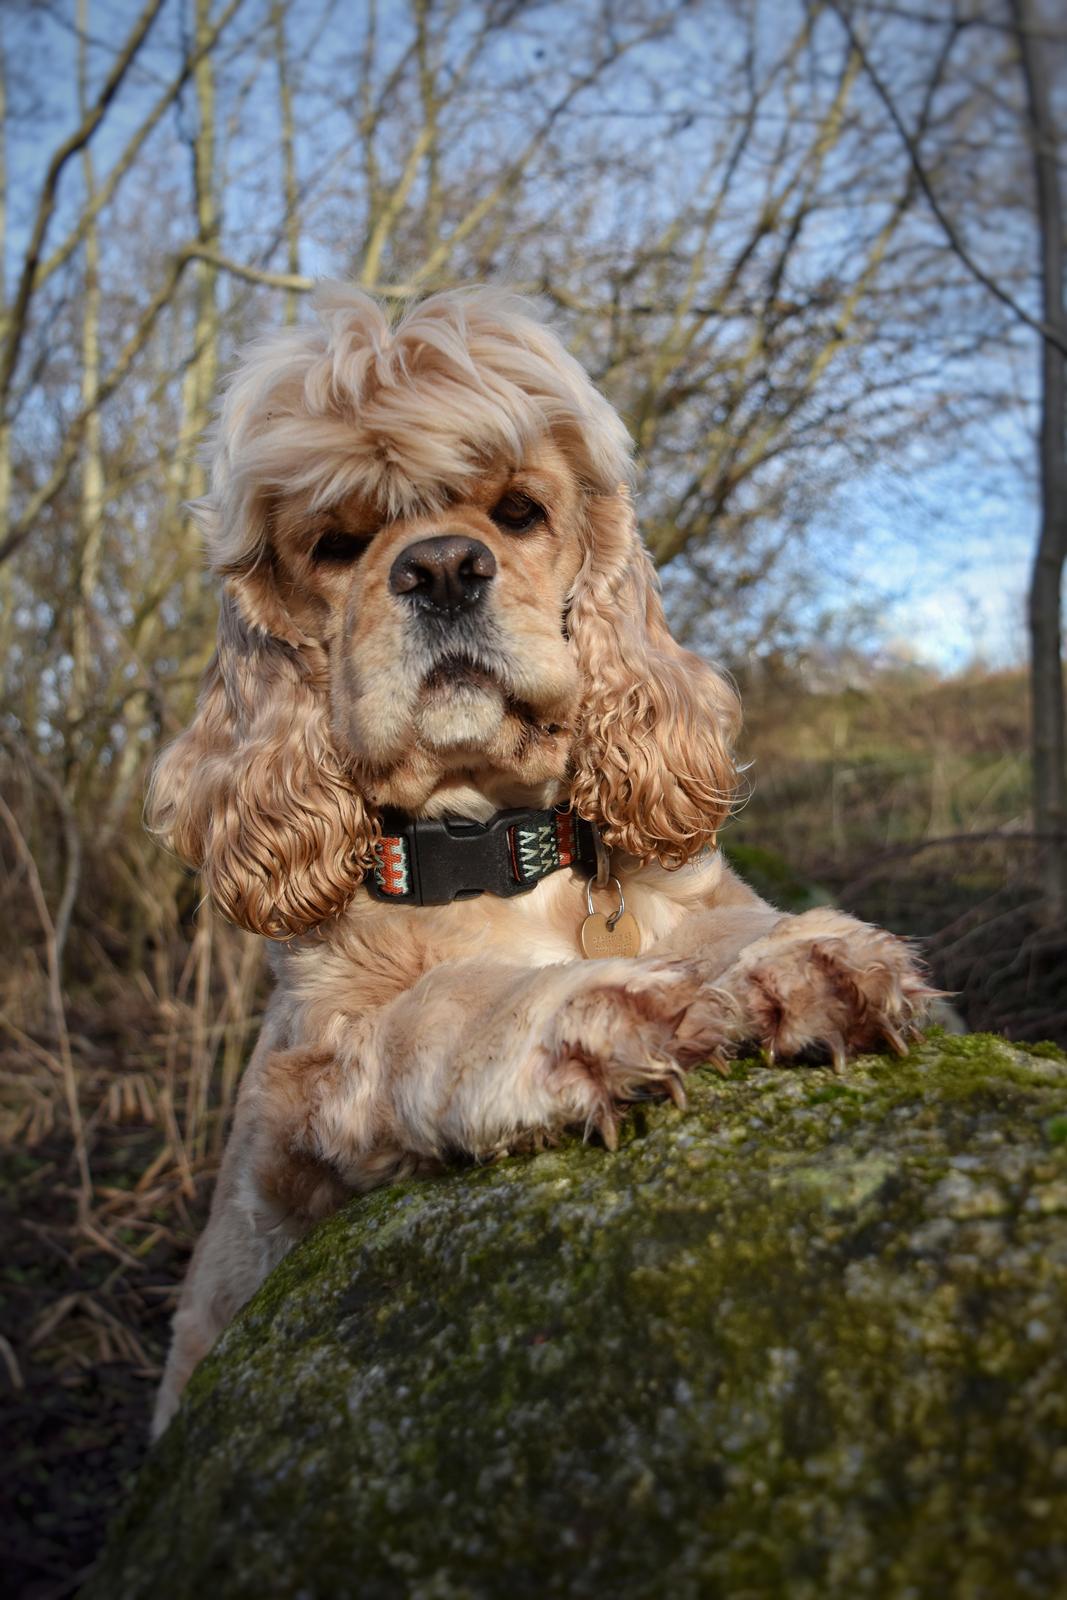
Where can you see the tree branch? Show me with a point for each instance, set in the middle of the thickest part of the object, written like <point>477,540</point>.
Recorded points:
<point>295,282</point>
<point>952,237</point>
<point>16,322</point>
<point>123,165</point>
<point>23,526</point>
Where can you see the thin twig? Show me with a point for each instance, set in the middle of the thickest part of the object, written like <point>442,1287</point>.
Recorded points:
<point>71,841</point>
<point>901,852</point>
<point>59,1018</point>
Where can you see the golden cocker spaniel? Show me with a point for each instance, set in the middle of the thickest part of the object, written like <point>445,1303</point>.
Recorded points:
<point>442,657</point>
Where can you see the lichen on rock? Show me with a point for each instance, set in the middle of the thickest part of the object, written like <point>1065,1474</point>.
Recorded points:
<point>805,1339</point>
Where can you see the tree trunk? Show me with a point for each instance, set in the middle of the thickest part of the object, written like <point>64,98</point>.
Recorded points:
<point>91,508</point>
<point>1048,746</point>
<point>290,187</point>
<point>7,601</point>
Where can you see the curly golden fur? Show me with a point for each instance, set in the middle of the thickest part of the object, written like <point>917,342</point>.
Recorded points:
<point>539,670</point>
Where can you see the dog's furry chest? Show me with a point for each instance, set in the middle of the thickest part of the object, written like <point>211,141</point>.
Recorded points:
<point>376,952</point>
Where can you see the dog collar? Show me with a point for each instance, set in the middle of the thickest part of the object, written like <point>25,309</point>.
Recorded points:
<point>431,862</point>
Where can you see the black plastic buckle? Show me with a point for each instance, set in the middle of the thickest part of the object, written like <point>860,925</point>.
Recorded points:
<point>454,859</point>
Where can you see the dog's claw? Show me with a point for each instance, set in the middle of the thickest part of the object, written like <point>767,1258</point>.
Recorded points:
<point>767,1055</point>
<point>609,1132</point>
<point>673,1085</point>
<point>895,1040</point>
<point>838,1054</point>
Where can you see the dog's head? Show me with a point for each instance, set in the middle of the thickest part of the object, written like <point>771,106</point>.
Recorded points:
<point>435,598</point>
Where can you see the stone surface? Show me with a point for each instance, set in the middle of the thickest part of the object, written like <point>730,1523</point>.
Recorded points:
<point>805,1340</point>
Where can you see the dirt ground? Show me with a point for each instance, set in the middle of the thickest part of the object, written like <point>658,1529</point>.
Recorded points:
<point>84,1314</point>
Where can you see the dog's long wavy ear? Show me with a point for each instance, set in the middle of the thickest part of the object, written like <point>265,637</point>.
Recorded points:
<point>252,793</point>
<point>653,755</point>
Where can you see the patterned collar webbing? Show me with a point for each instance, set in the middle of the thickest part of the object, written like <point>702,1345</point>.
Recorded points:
<point>432,862</point>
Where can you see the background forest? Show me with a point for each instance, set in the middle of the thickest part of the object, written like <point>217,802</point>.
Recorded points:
<point>812,250</point>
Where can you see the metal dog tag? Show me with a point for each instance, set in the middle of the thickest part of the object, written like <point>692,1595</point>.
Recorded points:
<point>617,935</point>
<point>599,938</point>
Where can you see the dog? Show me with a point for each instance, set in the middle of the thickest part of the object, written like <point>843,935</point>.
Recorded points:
<point>449,760</point>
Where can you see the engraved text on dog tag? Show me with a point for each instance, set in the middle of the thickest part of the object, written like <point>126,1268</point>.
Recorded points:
<point>598,939</point>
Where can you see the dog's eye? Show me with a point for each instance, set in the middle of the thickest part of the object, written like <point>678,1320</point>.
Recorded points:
<point>339,549</point>
<point>517,512</point>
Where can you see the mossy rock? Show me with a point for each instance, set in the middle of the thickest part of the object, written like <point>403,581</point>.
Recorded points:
<point>804,1340</point>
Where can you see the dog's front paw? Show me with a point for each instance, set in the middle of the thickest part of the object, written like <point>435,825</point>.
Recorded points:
<point>825,982</point>
<point>629,1034</point>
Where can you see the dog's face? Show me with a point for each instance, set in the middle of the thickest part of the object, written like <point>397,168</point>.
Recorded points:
<point>434,598</point>
<point>450,666</point>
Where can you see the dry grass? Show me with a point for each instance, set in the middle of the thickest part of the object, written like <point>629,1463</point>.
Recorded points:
<point>908,803</point>
<point>99,1211</point>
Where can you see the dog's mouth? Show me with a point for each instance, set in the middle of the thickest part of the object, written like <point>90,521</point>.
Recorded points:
<point>462,704</point>
<point>455,671</point>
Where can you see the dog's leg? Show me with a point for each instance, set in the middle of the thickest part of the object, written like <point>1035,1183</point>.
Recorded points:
<point>235,1252</point>
<point>477,1059</point>
<point>472,1059</point>
<point>231,1259</point>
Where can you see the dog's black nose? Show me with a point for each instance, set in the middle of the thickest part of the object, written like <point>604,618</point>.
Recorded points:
<point>446,574</point>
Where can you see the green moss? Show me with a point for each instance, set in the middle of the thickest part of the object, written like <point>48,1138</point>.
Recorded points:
<point>803,1340</point>
<point>771,876</point>
<point>1047,1048</point>
<point>832,1091</point>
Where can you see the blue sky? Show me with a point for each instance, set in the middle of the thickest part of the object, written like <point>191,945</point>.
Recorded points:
<point>947,550</point>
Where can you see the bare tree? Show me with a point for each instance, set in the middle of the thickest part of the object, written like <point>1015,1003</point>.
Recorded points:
<point>1033,37</point>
